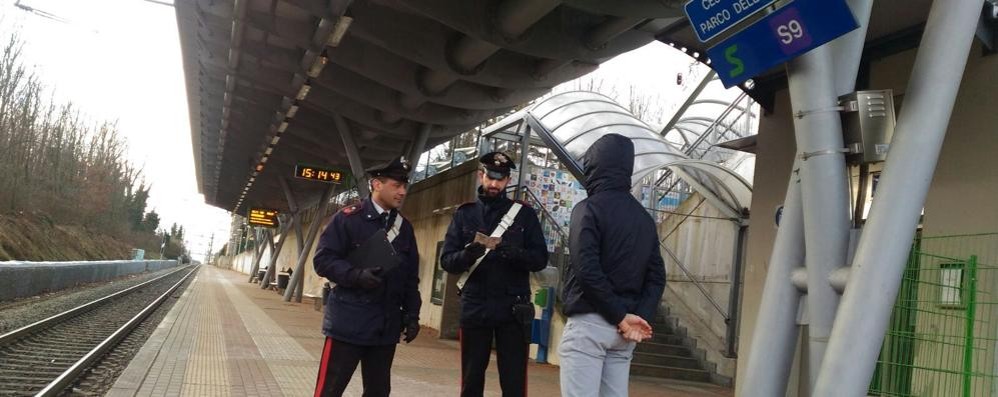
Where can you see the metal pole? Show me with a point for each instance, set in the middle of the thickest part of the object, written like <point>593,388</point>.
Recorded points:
<point>846,48</point>
<point>276,253</point>
<point>313,229</point>
<point>864,181</point>
<point>300,288</point>
<point>418,146</point>
<point>299,235</point>
<point>524,162</point>
<point>883,248</point>
<point>968,326</point>
<point>735,293</point>
<point>824,191</point>
<point>353,156</point>
<point>259,253</point>
<point>295,224</point>
<point>774,338</point>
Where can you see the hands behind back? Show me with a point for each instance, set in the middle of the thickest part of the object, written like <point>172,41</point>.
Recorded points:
<point>634,328</point>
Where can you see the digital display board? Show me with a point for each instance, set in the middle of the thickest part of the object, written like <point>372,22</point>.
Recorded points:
<point>262,217</point>
<point>316,173</point>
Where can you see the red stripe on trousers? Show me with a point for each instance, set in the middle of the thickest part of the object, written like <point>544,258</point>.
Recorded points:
<point>460,343</point>
<point>327,350</point>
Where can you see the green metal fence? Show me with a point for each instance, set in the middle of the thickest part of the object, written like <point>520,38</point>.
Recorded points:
<point>943,335</point>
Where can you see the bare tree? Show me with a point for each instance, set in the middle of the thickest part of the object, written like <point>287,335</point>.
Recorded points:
<point>53,161</point>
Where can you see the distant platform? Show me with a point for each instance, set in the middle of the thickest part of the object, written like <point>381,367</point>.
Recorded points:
<point>227,337</point>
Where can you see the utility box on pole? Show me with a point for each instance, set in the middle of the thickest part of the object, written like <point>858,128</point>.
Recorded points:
<point>868,122</point>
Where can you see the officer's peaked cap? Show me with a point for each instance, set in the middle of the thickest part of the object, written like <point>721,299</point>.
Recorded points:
<point>497,165</point>
<point>398,169</point>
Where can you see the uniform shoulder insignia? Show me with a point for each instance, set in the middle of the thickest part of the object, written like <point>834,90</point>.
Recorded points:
<point>523,203</point>
<point>349,210</point>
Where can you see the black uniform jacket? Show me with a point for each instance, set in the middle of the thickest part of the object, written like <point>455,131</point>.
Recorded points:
<point>367,317</point>
<point>489,294</point>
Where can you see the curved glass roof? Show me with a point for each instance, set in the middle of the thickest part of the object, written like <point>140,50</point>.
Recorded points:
<point>576,119</point>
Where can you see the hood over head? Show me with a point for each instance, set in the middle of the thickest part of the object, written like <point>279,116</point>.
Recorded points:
<point>608,164</point>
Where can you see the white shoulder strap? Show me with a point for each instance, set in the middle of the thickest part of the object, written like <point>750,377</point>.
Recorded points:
<point>505,223</point>
<point>396,228</point>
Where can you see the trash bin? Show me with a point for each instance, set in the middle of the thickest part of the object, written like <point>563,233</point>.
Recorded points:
<point>259,275</point>
<point>282,281</point>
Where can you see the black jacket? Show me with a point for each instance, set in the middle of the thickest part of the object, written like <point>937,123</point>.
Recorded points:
<point>615,264</point>
<point>367,317</point>
<point>489,294</point>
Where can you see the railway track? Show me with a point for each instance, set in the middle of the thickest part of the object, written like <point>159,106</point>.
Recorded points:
<point>48,356</point>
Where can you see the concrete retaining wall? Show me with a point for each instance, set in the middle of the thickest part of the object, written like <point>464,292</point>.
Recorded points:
<point>23,279</point>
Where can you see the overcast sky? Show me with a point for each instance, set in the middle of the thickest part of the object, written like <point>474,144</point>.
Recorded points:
<point>120,60</point>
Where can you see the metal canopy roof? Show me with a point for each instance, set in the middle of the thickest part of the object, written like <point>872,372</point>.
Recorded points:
<point>268,79</point>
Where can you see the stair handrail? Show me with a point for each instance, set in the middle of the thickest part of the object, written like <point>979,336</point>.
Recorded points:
<point>696,282</point>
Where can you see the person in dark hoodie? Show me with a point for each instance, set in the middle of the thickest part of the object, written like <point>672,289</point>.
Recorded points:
<point>615,278</point>
<point>495,284</point>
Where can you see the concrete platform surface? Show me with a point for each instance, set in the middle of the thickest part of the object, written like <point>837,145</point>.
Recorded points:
<point>226,337</point>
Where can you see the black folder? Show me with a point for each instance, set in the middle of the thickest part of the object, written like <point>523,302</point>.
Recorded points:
<point>376,251</point>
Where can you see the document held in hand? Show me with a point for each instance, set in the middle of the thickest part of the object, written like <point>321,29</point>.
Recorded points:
<point>376,251</point>
<point>489,242</point>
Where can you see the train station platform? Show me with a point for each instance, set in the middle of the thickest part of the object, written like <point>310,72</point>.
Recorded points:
<point>226,337</point>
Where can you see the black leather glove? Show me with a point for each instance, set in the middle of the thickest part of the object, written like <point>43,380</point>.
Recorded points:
<point>411,330</point>
<point>509,252</point>
<point>474,250</point>
<point>368,278</point>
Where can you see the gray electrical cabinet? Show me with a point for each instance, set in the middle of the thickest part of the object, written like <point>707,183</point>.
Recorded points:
<point>868,122</point>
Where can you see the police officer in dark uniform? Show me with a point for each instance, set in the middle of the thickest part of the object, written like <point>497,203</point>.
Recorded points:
<point>495,300</point>
<point>370,307</point>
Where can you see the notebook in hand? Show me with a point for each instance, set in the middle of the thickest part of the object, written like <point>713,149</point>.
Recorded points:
<point>376,251</point>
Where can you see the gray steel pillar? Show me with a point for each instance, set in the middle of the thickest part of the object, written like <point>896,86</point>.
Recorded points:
<point>300,235</point>
<point>295,224</point>
<point>353,156</point>
<point>258,253</point>
<point>296,278</point>
<point>276,252</point>
<point>774,339</point>
<point>846,47</point>
<point>880,257</point>
<point>524,162</point>
<point>824,190</point>
<point>418,146</point>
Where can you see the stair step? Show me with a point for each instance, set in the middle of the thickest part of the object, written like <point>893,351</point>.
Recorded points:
<point>666,360</point>
<point>660,371</point>
<point>662,325</point>
<point>661,348</point>
<point>668,339</point>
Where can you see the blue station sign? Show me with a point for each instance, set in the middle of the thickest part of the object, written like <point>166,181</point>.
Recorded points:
<point>710,18</point>
<point>779,37</point>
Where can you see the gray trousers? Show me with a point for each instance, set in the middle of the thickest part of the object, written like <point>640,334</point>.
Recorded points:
<point>595,359</point>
